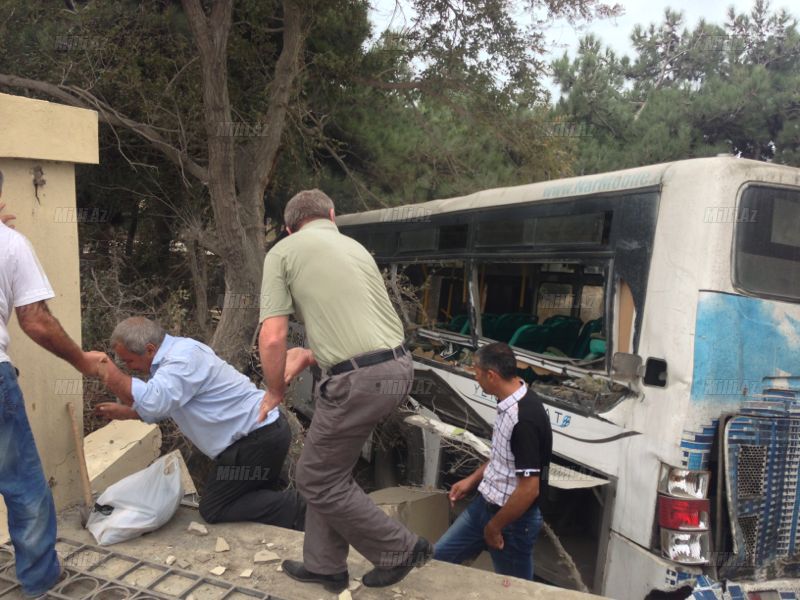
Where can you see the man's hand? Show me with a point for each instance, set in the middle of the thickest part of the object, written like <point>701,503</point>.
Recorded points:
<point>112,410</point>
<point>297,360</point>
<point>6,218</point>
<point>270,401</point>
<point>493,536</point>
<point>461,489</point>
<point>95,363</point>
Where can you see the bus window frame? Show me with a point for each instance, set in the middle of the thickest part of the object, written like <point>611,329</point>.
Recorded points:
<point>735,284</point>
<point>630,239</point>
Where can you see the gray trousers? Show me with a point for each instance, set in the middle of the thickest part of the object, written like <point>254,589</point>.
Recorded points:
<point>339,514</point>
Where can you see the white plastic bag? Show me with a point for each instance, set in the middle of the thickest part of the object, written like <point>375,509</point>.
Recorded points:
<point>141,502</point>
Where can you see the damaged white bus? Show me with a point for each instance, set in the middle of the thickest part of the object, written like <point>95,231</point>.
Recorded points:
<point>656,312</point>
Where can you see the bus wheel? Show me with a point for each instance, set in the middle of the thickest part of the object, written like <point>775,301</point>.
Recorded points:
<point>398,454</point>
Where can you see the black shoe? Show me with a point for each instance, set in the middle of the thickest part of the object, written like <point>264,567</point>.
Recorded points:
<point>422,553</point>
<point>333,583</point>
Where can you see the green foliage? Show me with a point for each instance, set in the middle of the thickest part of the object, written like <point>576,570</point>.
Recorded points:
<point>728,88</point>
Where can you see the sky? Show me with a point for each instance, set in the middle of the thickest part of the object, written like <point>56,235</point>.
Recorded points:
<point>612,32</point>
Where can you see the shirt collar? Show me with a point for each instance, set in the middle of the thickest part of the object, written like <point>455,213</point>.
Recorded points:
<point>509,401</point>
<point>162,351</point>
<point>319,224</point>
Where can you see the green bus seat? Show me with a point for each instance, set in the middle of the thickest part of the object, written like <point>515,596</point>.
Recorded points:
<point>584,337</point>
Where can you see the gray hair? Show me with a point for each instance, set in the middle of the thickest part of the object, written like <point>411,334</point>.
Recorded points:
<point>306,206</point>
<point>134,333</point>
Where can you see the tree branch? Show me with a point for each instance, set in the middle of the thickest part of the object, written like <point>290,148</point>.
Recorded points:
<point>286,70</point>
<point>75,96</point>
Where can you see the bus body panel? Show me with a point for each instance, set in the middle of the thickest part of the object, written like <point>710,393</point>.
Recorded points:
<point>633,572</point>
<point>589,441</point>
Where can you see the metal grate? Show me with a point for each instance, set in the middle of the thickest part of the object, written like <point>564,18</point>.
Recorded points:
<point>94,573</point>
<point>751,464</point>
<point>750,528</point>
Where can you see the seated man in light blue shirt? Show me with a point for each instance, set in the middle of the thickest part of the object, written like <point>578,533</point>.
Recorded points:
<point>217,408</point>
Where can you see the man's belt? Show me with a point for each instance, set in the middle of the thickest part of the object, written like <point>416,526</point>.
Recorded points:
<point>367,360</point>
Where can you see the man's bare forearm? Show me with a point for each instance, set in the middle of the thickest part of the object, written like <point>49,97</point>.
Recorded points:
<point>520,500</point>
<point>272,351</point>
<point>118,383</point>
<point>42,327</point>
<point>477,474</point>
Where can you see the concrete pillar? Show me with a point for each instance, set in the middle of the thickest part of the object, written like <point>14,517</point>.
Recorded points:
<point>40,142</point>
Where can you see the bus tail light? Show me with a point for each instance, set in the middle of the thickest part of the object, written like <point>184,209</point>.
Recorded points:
<point>684,515</point>
<point>686,547</point>
<point>683,483</point>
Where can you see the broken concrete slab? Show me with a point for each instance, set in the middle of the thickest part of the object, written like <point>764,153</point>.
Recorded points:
<point>435,581</point>
<point>183,564</point>
<point>247,573</point>
<point>171,560</point>
<point>425,512</point>
<point>217,570</point>
<point>119,449</point>
<point>222,545</point>
<point>196,528</point>
<point>186,478</point>
<point>345,595</point>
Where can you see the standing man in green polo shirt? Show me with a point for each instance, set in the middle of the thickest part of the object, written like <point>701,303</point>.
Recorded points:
<point>332,284</point>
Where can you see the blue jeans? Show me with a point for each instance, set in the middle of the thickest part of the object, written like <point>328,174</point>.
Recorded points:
<point>464,540</point>
<point>31,513</point>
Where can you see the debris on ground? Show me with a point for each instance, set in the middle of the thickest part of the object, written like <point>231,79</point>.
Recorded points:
<point>219,570</point>
<point>354,585</point>
<point>247,573</point>
<point>171,560</point>
<point>345,595</point>
<point>222,545</point>
<point>183,564</point>
<point>202,557</point>
<point>197,528</point>
<point>265,556</point>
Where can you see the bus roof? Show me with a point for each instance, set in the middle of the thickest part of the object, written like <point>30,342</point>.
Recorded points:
<point>572,187</point>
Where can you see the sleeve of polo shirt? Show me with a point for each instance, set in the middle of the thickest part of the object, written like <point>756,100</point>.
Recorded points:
<point>525,446</point>
<point>275,301</point>
<point>174,384</point>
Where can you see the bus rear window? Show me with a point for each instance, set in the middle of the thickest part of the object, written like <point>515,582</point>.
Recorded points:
<point>767,245</point>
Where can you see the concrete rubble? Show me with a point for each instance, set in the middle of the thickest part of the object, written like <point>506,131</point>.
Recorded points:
<point>119,449</point>
<point>265,556</point>
<point>197,528</point>
<point>222,545</point>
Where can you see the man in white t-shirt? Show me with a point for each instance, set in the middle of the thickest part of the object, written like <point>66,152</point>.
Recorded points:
<point>31,513</point>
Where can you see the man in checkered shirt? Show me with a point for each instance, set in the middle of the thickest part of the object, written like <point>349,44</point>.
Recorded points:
<point>504,517</point>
